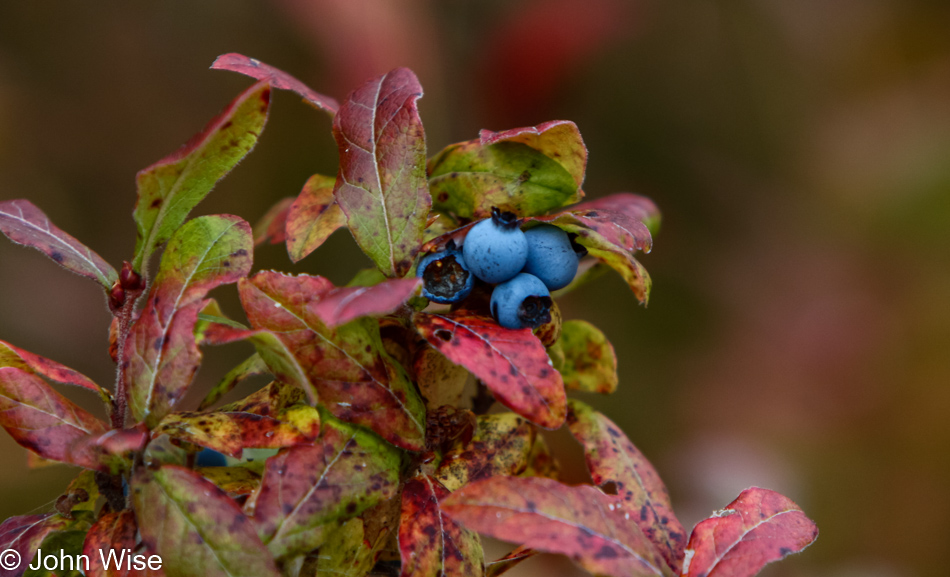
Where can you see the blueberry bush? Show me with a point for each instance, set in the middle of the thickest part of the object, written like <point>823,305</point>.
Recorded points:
<point>378,447</point>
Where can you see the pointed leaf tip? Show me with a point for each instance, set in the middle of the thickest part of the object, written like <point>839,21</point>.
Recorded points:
<point>23,223</point>
<point>275,77</point>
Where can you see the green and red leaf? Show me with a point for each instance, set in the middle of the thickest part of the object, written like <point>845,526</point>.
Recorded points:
<point>24,534</point>
<point>513,364</point>
<point>342,305</point>
<point>11,356</point>
<point>195,527</point>
<point>23,223</point>
<point>111,452</point>
<point>589,363</point>
<point>271,228</point>
<point>759,527</point>
<point>612,458</point>
<point>591,528</point>
<point>528,171</point>
<point>161,352</point>
<point>313,217</point>
<point>112,531</point>
<point>350,372</point>
<point>275,77</point>
<point>170,188</point>
<point>632,205</point>
<point>39,418</point>
<point>381,185</point>
<point>430,543</point>
<point>500,446</point>
<point>309,490</point>
<point>501,566</point>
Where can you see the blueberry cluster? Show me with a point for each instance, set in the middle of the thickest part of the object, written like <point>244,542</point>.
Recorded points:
<point>524,265</point>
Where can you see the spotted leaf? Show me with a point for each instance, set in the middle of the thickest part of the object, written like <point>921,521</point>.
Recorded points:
<point>500,445</point>
<point>589,363</point>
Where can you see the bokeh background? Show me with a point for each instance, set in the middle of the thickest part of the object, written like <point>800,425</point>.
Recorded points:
<point>798,335</point>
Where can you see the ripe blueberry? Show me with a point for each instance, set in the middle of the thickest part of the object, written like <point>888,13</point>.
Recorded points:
<point>445,278</point>
<point>210,458</point>
<point>495,249</point>
<point>522,302</point>
<point>551,257</point>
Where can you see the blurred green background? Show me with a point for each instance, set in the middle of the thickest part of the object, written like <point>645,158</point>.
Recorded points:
<point>798,336</point>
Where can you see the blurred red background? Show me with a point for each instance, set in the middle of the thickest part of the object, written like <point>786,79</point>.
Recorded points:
<point>798,335</point>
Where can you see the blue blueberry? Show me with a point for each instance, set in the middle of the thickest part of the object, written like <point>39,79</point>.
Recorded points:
<point>445,277</point>
<point>522,302</point>
<point>551,257</point>
<point>495,249</point>
<point>210,458</point>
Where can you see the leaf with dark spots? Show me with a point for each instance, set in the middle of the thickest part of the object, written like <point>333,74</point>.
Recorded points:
<point>630,269</point>
<point>11,356</point>
<point>759,527</point>
<point>541,463</point>
<point>271,227</point>
<point>528,171</point>
<point>589,363</point>
<point>41,419</point>
<point>112,531</point>
<point>309,490</point>
<point>195,527</point>
<point>591,528</point>
<point>342,305</point>
<point>275,77</point>
<point>251,366</point>
<point>381,184</point>
<point>162,354</point>
<point>346,552</point>
<point>557,139</point>
<point>24,534</point>
<point>269,400</point>
<point>111,452</point>
<point>603,228</point>
<point>513,364</point>
<point>500,446</point>
<point>637,207</point>
<point>350,371</point>
<point>230,432</point>
<point>23,223</point>
<point>612,458</point>
<point>500,566</point>
<point>235,481</point>
<point>313,217</point>
<point>170,188</point>
<point>431,544</point>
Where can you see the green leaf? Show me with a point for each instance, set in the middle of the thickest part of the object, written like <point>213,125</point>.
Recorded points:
<point>170,188</point>
<point>195,527</point>
<point>381,185</point>
<point>313,217</point>
<point>345,553</point>
<point>590,363</point>
<point>528,171</point>
<point>161,353</point>
<point>309,490</point>
<point>25,224</point>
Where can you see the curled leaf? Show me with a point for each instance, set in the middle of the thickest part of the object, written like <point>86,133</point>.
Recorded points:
<point>271,227</point>
<point>11,356</point>
<point>25,224</point>
<point>589,363</point>
<point>759,527</point>
<point>275,77</point>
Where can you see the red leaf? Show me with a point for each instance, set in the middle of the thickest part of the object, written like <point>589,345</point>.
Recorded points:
<point>612,458</point>
<point>112,531</point>
<point>25,224</point>
<point>24,534</point>
<point>558,139</point>
<point>431,544</point>
<point>39,418</point>
<point>309,489</point>
<point>632,205</point>
<point>512,363</point>
<point>161,353</point>
<point>277,78</point>
<point>270,228</point>
<point>342,305</point>
<point>581,522</point>
<point>347,365</point>
<point>381,185</point>
<point>500,566</point>
<point>11,356</point>
<point>313,217</point>
<point>759,527</point>
<point>109,452</point>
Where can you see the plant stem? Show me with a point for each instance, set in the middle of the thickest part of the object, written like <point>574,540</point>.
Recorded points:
<point>119,403</point>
